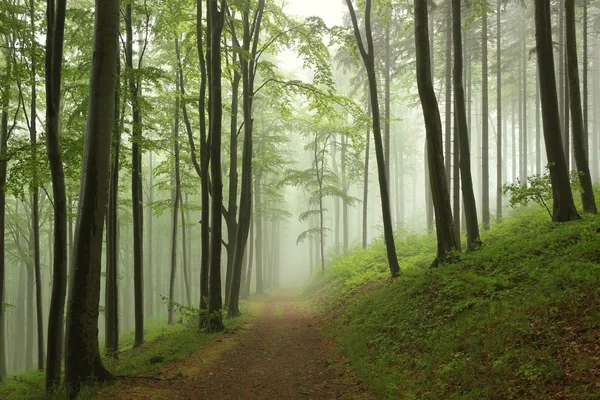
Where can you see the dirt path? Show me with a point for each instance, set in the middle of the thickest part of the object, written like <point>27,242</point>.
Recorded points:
<point>279,354</point>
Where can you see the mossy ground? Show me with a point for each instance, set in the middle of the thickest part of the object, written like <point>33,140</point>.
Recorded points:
<point>519,318</point>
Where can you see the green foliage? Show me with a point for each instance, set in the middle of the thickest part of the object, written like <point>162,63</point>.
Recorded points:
<point>516,319</point>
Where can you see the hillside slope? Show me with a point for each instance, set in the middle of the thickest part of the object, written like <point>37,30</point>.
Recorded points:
<point>520,318</point>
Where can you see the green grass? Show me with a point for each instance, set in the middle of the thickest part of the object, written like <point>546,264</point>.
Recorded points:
<point>170,342</point>
<point>520,318</point>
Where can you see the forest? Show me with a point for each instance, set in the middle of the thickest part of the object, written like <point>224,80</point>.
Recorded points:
<point>265,199</point>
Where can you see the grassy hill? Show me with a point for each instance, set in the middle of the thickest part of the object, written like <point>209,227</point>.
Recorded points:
<point>519,318</point>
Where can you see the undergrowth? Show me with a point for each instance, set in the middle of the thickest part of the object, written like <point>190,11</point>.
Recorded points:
<point>519,318</point>
<point>163,344</point>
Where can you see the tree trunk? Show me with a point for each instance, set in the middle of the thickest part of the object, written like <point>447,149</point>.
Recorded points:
<point>563,205</point>
<point>584,95</point>
<point>387,121</point>
<point>53,69</point>
<point>250,45</point>
<point>258,233</point>
<point>463,133</point>
<point>250,255</point>
<point>368,57</point>
<point>3,169</point>
<point>498,114</point>
<point>149,239</point>
<point>83,360</point>
<point>346,228</point>
<point>485,175</point>
<point>184,253</point>
<point>136,185</point>
<point>448,102</point>
<point>538,141</point>
<point>175,188</point>
<point>433,125</point>
<point>579,143</point>
<point>365,186</point>
<point>215,304</point>
<point>111,302</point>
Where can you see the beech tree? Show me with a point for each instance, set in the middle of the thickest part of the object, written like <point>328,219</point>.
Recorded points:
<point>562,197</point>
<point>368,57</point>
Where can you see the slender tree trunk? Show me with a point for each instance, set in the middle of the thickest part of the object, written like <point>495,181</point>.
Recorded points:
<point>259,233</point>
<point>53,69</point>
<point>524,125</point>
<point>215,304</point>
<point>448,102</point>
<point>463,133</point>
<point>584,95</point>
<point>563,205</point>
<point>365,220</point>
<point>136,184</point>
<point>336,199</point>
<point>346,228</point>
<point>368,57</point>
<point>111,302</point>
<point>538,142</point>
<point>498,114</point>
<point>485,175</point>
<point>184,253</point>
<point>83,360</point>
<point>250,45</point>
<point>579,143</point>
<point>175,188</point>
<point>149,239</point>
<point>433,125</point>
<point>387,77</point>
<point>250,255</point>
<point>3,169</point>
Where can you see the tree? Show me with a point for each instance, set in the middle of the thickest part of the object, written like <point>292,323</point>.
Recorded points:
<point>463,133</point>
<point>175,190</point>
<point>83,360</point>
<point>368,57</point>
<point>136,178</point>
<point>498,113</point>
<point>485,174</point>
<point>216,20</point>
<point>446,242</point>
<point>111,302</point>
<point>563,205</point>
<point>55,14</point>
<point>248,64</point>
<point>579,134</point>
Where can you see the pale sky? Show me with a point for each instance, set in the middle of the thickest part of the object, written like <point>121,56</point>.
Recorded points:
<point>331,11</point>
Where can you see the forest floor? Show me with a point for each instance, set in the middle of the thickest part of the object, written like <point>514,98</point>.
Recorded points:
<point>279,353</point>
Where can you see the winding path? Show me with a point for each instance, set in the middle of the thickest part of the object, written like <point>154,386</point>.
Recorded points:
<point>279,354</point>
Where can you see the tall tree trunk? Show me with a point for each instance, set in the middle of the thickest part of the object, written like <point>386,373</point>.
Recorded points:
<point>579,143</point>
<point>463,133</point>
<point>3,169</point>
<point>136,183</point>
<point>215,304</point>
<point>563,205</point>
<point>83,360</point>
<point>498,114</point>
<point>448,102</point>
<point>204,171</point>
<point>53,69</point>
<point>446,241</point>
<point>258,233</point>
<point>111,302</point>
<point>387,121</point>
<point>149,284</point>
<point>368,57</point>
<point>250,46</point>
<point>365,185</point>
<point>175,188</point>
<point>538,141</point>
<point>336,199</point>
<point>585,67</point>
<point>524,123</point>
<point>184,252</point>
<point>485,175</point>
<point>346,228</point>
<point>250,255</point>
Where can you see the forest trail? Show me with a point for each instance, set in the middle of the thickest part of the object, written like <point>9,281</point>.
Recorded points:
<point>278,354</point>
